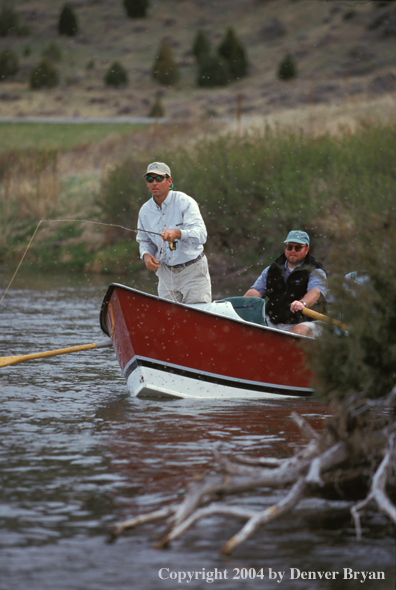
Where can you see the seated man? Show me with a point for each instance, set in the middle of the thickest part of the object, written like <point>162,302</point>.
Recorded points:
<point>294,281</point>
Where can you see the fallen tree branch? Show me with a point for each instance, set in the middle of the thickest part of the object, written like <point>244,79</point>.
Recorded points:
<point>121,527</point>
<point>351,449</point>
<point>377,493</point>
<point>261,518</point>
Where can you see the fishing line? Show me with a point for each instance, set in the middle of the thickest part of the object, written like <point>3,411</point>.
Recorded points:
<point>78,221</point>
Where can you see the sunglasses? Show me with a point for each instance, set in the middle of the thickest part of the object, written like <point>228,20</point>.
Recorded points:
<point>290,247</point>
<point>151,179</point>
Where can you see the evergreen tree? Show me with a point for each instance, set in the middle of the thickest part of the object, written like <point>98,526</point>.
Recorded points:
<point>44,75</point>
<point>165,69</point>
<point>136,8</point>
<point>67,24</point>
<point>213,71</point>
<point>157,110</point>
<point>9,63</point>
<point>201,47</point>
<point>116,76</point>
<point>9,20</point>
<point>232,50</point>
<point>287,68</point>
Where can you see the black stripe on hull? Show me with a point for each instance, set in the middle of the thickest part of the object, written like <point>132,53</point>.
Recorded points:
<point>215,379</point>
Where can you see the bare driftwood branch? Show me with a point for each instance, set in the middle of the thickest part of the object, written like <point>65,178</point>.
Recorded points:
<point>377,492</point>
<point>330,458</point>
<point>285,505</point>
<point>306,429</point>
<point>119,528</point>
<point>357,444</point>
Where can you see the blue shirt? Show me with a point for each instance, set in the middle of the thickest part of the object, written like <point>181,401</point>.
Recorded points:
<point>317,280</point>
<point>178,211</point>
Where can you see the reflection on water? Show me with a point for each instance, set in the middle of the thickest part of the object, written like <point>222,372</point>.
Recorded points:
<point>77,454</point>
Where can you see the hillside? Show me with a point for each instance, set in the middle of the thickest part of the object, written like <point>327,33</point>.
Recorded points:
<point>343,50</point>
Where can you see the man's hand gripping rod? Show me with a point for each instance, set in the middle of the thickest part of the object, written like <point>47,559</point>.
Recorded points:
<point>172,245</point>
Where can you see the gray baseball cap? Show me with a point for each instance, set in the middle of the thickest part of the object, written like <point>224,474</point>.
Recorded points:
<point>158,168</point>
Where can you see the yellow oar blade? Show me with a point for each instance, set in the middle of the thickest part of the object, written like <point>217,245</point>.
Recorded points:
<point>324,318</point>
<point>6,361</point>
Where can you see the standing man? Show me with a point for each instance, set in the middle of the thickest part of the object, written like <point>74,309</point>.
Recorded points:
<point>294,281</point>
<point>176,253</point>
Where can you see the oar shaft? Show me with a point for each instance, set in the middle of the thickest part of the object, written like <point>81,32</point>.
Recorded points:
<point>324,318</point>
<point>6,361</point>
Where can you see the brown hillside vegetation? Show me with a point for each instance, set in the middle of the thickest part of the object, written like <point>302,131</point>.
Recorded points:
<point>342,50</point>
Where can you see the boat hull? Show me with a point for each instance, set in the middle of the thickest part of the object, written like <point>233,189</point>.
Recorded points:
<point>167,349</point>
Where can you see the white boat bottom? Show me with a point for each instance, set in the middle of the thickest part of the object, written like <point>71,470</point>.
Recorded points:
<point>153,383</point>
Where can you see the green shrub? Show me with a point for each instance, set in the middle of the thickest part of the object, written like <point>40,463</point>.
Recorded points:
<point>165,69</point>
<point>9,63</point>
<point>67,24</point>
<point>364,359</point>
<point>252,189</point>
<point>213,71</point>
<point>201,47</point>
<point>232,50</point>
<point>44,75</point>
<point>287,68</point>
<point>116,76</point>
<point>157,110</point>
<point>52,52</point>
<point>136,8</point>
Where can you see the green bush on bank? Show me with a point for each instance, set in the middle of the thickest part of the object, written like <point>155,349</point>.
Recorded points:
<point>252,190</point>
<point>362,360</point>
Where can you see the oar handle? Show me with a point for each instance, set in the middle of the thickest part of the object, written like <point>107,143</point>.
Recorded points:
<point>6,361</point>
<point>324,318</point>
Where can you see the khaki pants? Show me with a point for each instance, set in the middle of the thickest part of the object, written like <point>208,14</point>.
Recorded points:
<point>185,285</point>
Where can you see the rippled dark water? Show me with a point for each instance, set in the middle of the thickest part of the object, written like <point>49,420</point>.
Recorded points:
<point>78,454</point>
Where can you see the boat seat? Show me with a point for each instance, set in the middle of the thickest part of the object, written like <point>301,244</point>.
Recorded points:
<point>250,309</point>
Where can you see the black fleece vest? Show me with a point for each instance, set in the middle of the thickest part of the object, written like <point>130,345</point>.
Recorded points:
<point>281,294</point>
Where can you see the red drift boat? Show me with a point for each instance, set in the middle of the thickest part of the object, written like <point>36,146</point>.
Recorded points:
<point>214,350</point>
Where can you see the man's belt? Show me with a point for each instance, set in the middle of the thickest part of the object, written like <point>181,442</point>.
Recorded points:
<point>185,264</point>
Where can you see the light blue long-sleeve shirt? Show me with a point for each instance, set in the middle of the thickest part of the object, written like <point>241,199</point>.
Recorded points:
<point>178,211</point>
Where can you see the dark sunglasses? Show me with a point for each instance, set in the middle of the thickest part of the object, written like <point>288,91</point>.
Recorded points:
<point>290,247</point>
<point>151,179</point>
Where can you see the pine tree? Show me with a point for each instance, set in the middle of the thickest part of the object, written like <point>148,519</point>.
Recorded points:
<point>157,110</point>
<point>213,71</point>
<point>232,50</point>
<point>201,47</point>
<point>165,69</point>
<point>9,63</point>
<point>136,8</point>
<point>116,76</point>
<point>44,75</point>
<point>67,24</point>
<point>9,20</point>
<point>287,68</point>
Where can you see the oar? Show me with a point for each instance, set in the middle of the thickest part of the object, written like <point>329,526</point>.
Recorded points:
<point>5,361</point>
<point>324,318</point>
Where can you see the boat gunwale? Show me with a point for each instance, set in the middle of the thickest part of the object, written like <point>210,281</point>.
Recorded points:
<point>113,286</point>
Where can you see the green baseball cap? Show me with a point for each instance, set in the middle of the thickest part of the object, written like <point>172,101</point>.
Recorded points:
<point>298,237</point>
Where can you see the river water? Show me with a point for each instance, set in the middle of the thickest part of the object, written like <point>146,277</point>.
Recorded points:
<point>78,454</point>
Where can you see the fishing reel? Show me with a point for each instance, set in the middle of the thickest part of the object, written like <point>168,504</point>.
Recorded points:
<point>172,246</point>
